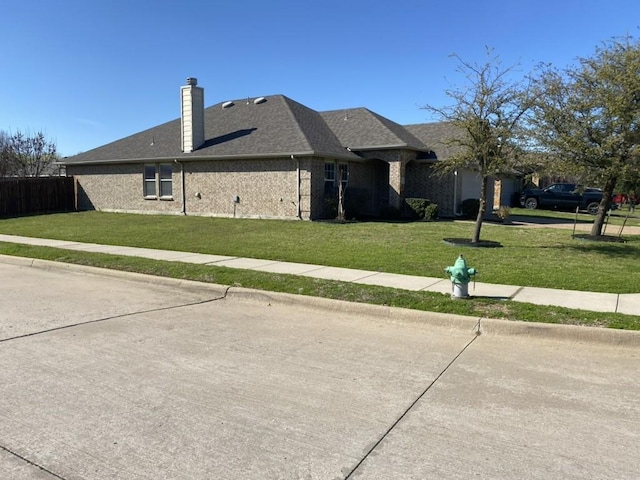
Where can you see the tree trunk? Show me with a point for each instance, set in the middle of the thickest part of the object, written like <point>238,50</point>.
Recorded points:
<point>483,206</point>
<point>341,215</point>
<point>604,206</point>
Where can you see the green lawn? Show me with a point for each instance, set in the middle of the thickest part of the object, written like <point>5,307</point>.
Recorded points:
<point>529,257</point>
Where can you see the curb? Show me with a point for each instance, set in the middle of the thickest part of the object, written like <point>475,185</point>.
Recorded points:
<point>209,288</point>
<point>475,325</point>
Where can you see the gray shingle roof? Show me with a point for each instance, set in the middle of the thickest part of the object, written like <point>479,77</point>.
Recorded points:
<point>276,127</point>
<point>437,137</point>
<point>362,129</point>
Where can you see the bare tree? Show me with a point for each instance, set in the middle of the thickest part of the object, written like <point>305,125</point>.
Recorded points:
<point>587,117</point>
<point>6,158</point>
<point>26,155</point>
<point>487,112</point>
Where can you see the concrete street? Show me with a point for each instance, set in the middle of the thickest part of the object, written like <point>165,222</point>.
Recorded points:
<point>114,376</point>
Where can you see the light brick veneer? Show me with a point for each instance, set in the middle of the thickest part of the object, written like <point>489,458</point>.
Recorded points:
<point>265,188</point>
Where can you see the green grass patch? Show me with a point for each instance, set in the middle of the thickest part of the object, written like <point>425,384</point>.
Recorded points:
<point>538,257</point>
<point>425,301</point>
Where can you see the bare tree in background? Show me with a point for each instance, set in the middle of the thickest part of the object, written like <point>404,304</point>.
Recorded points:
<point>26,155</point>
<point>6,158</point>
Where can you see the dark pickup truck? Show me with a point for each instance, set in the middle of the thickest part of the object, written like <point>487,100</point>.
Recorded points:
<point>562,196</point>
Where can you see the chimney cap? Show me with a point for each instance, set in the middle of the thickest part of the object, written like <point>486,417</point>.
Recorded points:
<point>193,81</point>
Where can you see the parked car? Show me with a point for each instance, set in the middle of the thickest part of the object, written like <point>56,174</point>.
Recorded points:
<point>562,196</point>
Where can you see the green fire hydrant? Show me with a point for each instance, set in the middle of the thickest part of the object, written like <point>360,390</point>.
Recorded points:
<point>460,278</point>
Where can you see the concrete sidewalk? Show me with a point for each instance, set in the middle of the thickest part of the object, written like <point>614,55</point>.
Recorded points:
<point>599,302</point>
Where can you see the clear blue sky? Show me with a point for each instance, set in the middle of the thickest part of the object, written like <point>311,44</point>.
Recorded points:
<point>87,72</point>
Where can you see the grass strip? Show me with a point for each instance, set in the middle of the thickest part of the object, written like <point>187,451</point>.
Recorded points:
<point>424,301</point>
<point>532,257</point>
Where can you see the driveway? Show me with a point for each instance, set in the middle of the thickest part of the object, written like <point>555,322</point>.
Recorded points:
<point>130,377</point>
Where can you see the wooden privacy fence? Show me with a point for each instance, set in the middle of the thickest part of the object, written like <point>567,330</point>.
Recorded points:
<point>29,196</point>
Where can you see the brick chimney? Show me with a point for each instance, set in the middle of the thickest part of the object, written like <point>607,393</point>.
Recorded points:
<point>192,115</point>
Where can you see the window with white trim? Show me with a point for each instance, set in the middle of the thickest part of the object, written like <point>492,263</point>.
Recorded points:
<point>329,178</point>
<point>166,179</point>
<point>150,181</point>
<point>158,178</point>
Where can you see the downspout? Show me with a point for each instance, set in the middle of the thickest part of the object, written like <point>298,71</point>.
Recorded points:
<point>298,195</point>
<point>184,194</point>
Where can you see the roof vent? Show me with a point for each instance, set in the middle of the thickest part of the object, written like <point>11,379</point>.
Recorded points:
<point>259,100</point>
<point>227,104</point>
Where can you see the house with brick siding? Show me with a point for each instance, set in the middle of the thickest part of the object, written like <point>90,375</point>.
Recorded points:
<point>268,157</point>
<point>461,184</point>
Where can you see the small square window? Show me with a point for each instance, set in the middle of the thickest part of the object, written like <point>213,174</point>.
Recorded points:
<point>158,179</point>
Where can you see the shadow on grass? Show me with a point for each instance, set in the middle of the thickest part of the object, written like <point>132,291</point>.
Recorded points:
<point>587,237</point>
<point>465,242</point>
<point>617,250</point>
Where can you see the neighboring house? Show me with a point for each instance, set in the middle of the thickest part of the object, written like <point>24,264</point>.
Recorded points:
<point>266,157</point>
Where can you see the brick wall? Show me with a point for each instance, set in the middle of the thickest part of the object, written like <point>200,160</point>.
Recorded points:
<point>314,184</point>
<point>264,188</point>
<point>119,188</point>
<point>423,183</point>
<point>359,196</point>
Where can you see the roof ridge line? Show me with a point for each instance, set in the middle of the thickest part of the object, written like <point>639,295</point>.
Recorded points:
<point>296,120</point>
